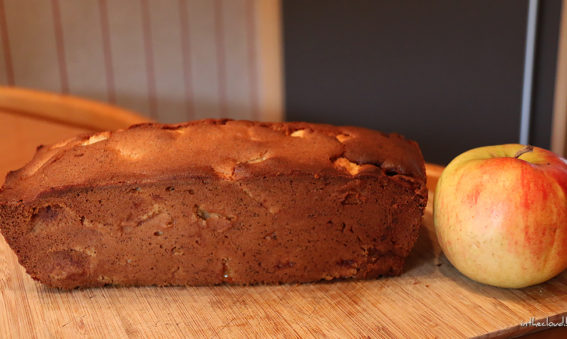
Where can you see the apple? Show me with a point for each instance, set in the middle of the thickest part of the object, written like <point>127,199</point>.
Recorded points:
<point>500,214</point>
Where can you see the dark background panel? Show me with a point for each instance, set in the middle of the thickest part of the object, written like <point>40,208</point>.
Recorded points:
<point>445,73</point>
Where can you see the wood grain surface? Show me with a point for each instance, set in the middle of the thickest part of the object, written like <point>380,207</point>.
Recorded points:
<point>431,299</point>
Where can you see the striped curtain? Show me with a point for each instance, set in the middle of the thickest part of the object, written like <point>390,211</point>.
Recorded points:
<point>170,60</point>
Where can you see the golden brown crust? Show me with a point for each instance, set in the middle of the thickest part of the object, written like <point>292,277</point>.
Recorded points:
<point>226,148</point>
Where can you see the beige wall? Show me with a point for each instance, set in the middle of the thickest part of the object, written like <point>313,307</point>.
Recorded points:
<point>172,60</point>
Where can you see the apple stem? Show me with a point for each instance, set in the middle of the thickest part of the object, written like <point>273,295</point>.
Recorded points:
<point>526,149</point>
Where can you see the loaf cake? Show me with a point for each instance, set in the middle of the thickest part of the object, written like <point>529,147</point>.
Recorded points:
<point>216,201</point>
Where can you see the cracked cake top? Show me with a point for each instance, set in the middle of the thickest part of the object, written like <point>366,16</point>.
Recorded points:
<point>229,149</point>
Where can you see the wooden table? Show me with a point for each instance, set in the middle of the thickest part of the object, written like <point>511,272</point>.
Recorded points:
<point>431,299</point>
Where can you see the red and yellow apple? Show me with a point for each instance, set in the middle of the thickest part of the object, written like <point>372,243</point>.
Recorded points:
<point>500,214</point>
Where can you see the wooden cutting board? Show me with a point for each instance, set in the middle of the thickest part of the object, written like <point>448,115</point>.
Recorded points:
<point>431,299</point>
